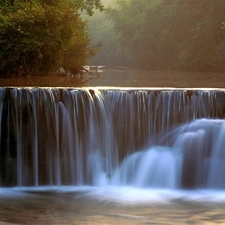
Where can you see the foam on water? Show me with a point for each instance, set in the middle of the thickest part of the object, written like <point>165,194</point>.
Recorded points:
<point>126,195</point>
<point>12,193</point>
<point>131,195</point>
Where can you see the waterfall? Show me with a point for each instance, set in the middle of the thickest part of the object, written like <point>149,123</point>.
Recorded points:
<point>89,136</point>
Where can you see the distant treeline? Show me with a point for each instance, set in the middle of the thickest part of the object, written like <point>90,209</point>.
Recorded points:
<point>169,34</point>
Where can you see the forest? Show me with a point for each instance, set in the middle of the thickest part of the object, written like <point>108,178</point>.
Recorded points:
<point>187,35</point>
<point>39,36</point>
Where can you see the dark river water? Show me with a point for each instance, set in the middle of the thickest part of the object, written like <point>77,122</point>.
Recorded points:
<point>125,78</point>
<point>110,205</point>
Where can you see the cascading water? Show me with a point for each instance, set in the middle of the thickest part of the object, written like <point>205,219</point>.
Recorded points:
<point>143,138</point>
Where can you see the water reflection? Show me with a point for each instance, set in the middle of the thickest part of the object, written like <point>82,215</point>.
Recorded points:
<point>110,206</point>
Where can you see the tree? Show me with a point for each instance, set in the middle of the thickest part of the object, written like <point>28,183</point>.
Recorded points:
<point>89,5</point>
<point>172,34</point>
<point>37,37</point>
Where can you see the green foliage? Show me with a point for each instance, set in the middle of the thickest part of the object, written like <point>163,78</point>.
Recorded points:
<point>37,37</point>
<point>172,34</point>
<point>89,5</point>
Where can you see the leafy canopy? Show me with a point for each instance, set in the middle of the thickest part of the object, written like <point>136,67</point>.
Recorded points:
<point>38,37</point>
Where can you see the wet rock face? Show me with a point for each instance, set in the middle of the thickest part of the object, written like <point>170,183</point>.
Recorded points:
<point>84,136</point>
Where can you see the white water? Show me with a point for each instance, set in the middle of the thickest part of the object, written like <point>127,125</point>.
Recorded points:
<point>140,138</point>
<point>125,195</point>
<point>112,156</point>
<point>158,167</point>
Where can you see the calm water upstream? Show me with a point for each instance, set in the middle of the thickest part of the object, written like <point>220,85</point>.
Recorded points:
<point>110,205</point>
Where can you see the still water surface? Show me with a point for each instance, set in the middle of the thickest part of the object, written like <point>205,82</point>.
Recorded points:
<point>110,205</point>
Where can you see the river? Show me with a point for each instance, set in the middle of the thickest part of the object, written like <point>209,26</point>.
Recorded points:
<point>110,205</point>
<point>105,204</point>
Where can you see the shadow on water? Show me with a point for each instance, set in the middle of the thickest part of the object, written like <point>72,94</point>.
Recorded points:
<point>51,81</point>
